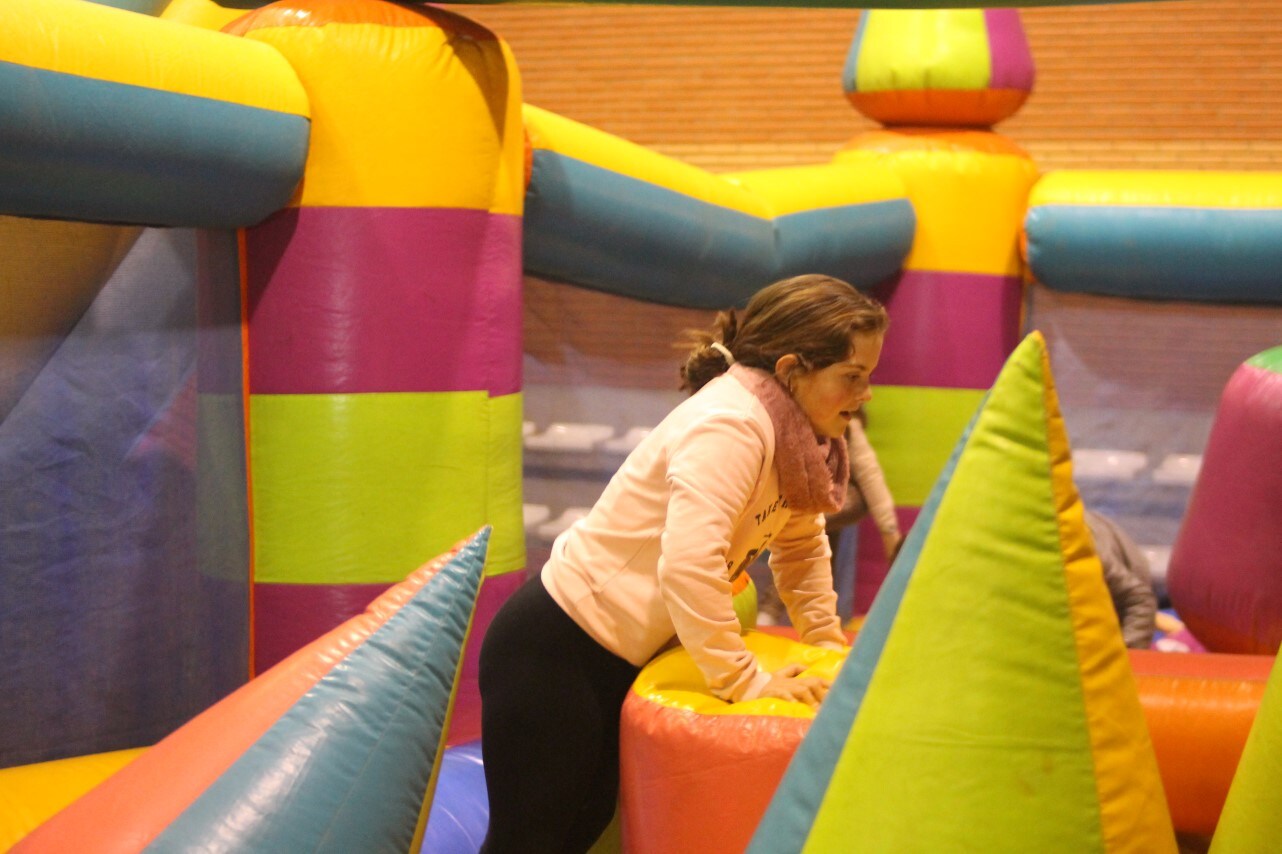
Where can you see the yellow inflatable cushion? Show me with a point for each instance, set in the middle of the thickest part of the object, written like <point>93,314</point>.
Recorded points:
<point>673,680</point>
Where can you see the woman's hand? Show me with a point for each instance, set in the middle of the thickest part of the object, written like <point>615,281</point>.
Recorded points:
<point>787,683</point>
<point>892,544</point>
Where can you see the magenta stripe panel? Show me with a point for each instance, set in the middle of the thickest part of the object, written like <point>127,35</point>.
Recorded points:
<point>871,566</point>
<point>465,725</point>
<point>287,617</point>
<point>1011,58</point>
<point>290,616</point>
<point>949,330</point>
<point>346,300</point>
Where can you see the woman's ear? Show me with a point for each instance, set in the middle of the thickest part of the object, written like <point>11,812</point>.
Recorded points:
<point>785,366</point>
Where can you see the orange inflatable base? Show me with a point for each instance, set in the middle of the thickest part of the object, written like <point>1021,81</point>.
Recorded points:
<point>697,781</point>
<point>1199,708</point>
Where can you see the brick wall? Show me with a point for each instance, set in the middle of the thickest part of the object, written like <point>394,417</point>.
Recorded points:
<point>1186,84</point>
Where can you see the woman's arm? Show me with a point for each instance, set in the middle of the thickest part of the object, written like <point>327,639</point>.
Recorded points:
<point>801,562</point>
<point>866,472</point>
<point>713,470</point>
<point>1128,577</point>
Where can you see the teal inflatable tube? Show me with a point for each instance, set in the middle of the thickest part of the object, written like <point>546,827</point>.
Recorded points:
<point>77,148</point>
<point>598,228</point>
<point>1198,254</point>
<point>141,7</point>
<point>108,115</point>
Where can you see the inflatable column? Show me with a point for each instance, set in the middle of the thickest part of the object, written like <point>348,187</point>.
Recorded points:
<point>384,314</point>
<point>1225,577</point>
<point>938,80</point>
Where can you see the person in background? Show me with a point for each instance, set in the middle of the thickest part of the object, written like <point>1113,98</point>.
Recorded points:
<point>750,462</point>
<point>870,495</point>
<point>1129,580</point>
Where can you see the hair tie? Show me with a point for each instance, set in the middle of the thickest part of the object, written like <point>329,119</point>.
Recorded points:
<point>724,351</point>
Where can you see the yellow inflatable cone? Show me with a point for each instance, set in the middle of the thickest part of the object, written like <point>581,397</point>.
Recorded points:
<point>1001,714</point>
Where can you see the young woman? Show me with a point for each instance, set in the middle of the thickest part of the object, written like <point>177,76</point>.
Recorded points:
<point>752,460</point>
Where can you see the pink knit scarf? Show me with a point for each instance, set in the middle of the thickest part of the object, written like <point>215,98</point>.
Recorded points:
<point>812,472</point>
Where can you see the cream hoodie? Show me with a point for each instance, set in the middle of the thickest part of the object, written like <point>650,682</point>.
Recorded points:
<point>691,507</point>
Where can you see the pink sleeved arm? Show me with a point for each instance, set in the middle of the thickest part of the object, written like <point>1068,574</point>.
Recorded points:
<point>866,471</point>
<point>712,472</point>
<point>801,562</point>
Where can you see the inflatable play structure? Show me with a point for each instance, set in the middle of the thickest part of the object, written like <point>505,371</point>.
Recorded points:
<point>1132,751</point>
<point>264,360</point>
<point>364,784</point>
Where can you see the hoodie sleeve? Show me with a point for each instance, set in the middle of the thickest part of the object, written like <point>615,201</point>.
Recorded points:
<point>866,474</point>
<point>1129,580</point>
<point>801,562</point>
<point>713,470</point>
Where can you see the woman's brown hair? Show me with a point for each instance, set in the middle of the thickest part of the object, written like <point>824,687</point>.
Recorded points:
<point>813,316</point>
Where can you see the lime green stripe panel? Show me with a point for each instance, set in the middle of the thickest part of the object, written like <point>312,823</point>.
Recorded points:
<point>948,50</point>
<point>507,543</point>
<point>914,431</point>
<point>1269,360</point>
<point>362,488</point>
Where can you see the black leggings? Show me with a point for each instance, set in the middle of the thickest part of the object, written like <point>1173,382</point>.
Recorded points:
<point>551,698</point>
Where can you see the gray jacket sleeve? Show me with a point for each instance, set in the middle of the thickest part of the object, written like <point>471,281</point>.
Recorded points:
<point>1129,580</point>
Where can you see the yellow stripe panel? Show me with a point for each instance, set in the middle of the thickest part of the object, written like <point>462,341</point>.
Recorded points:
<point>32,794</point>
<point>828,185</point>
<point>407,117</point>
<point>1126,779</point>
<point>1233,190</point>
<point>765,194</point>
<point>102,43</point>
<point>597,148</point>
<point>673,679</point>
<point>205,14</point>
<point>970,205</point>
<point>935,49</point>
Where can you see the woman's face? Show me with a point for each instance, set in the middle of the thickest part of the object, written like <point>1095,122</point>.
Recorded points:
<point>830,396</point>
